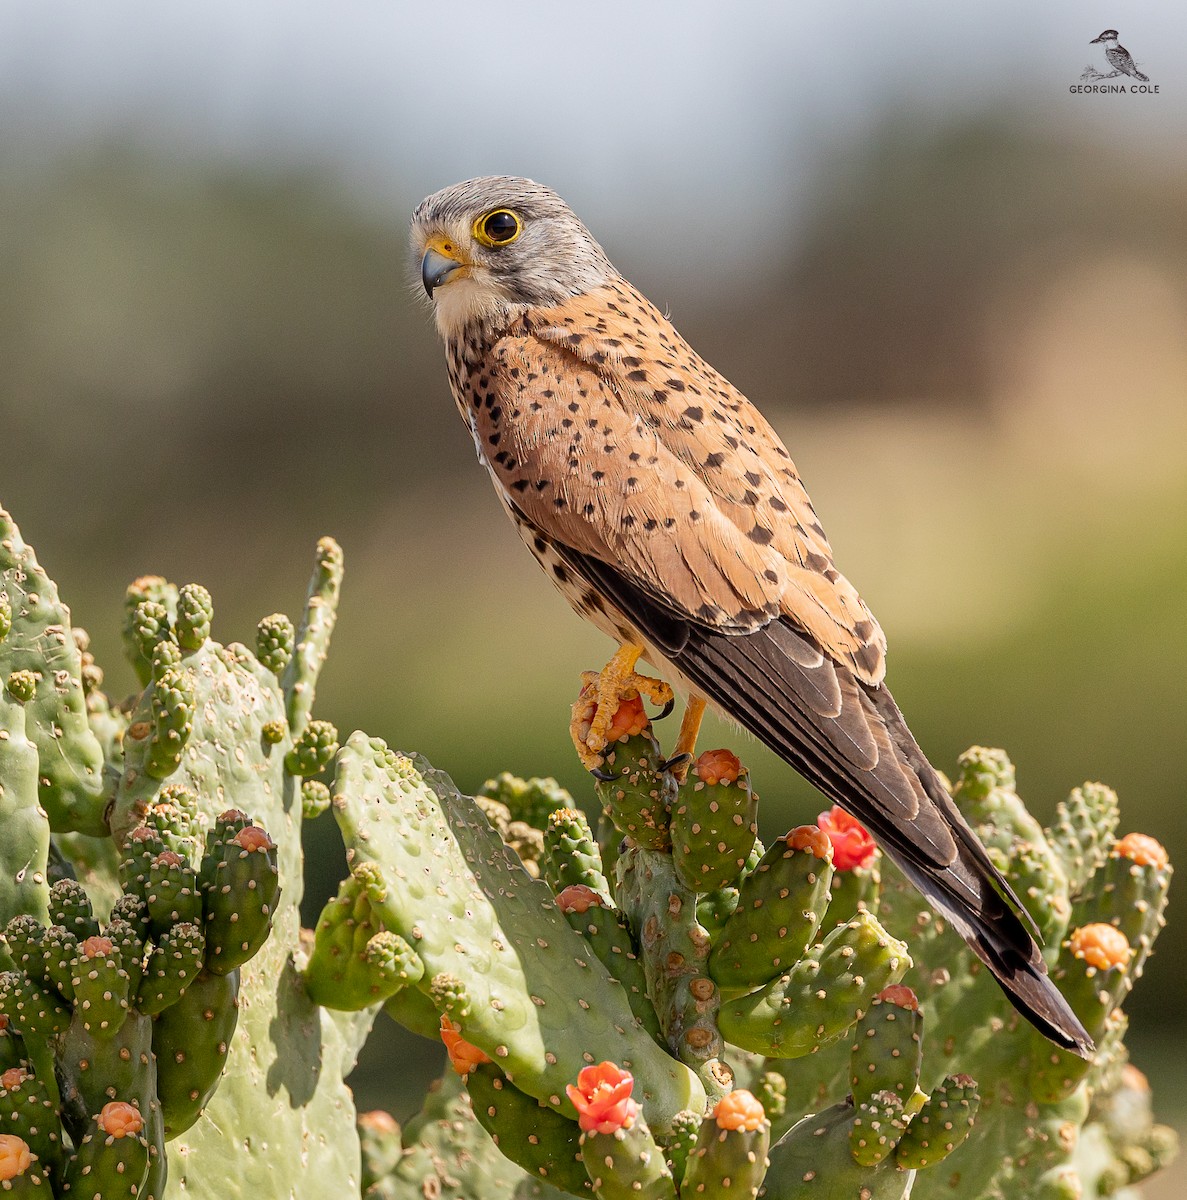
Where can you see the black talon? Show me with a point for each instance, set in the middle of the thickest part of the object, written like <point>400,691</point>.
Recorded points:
<point>677,760</point>
<point>666,711</point>
<point>604,776</point>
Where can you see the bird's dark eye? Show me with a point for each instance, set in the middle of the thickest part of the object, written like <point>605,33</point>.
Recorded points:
<point>498,228</point>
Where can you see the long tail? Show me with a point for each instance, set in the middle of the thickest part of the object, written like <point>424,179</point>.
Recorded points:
<point>850,740</point>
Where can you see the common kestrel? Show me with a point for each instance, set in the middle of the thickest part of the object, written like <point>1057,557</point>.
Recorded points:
<point>669,513</point>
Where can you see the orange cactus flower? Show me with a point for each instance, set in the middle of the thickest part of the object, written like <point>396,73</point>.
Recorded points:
<point>252,837</point>
<point>717,766</point>
<point>578,898</point>
<point>629,720</point>
<point>739,1110</point>
<point>602,1098</point>
<point>13,1078</point>
<point>118,1119</point>
<point>463,1055</point>
<point>900,994</point>
<point>168,858</point>
<point>1101,946</point>
<point>96,947</point>
<point>15,1156</point>
<point>1142,849</point>
<point>809,837</point>
<point>852,844</point>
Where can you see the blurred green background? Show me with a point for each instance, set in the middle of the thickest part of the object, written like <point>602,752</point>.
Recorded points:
<point>957,290</point>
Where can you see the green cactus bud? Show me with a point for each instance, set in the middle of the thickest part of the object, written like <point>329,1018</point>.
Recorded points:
<point>714,822</point>
<point>532,1135</point>
<point>313,749</point>
<point>730,1158</point>
<point>22,686</point>
<point>128,939</point>
<point>151,623</point>
<point>354,962</point>
<point>275,639</point>
<point>941,1125</point>
<point>878,1124</point>
<point>381,1145</point>
<point>112,1158</point>
<point>679,1143</point>
<point>607,933</point>
<point>821,996</point>
<point>715,908</point>
<point>29,1110</point>
<point>571,856</point>
<point>771,1091</point>
<point>195,611</point>
<point>857,889</point>
<point>34,1013</point>
<point>173,895</point>
<point>24,936</point>
<point>131,908</point>
<point>528,800</point>
<point>888,1047</point>
<point>315,798</point>
<point>274,732</point>
<point>639,796</point>
<point>101,986</point>
<point>70,907</point>
<point>1082,832</point>
<point>164,655</point>
<point>173,703</point>
<point>174,817</point>
<point>240,894</point>
<point>780,907</point>
<point>154,589</point>
<point>60,948</point>
<point>191,1040</point>
<point>5,615</point>
<point>450,996</point>
<point>143,845</point>
<point>175,961</point>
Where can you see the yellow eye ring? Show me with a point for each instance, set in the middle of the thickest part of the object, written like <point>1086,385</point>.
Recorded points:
<point>498,228</point>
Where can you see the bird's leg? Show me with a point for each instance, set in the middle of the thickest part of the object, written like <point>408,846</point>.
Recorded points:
<point>595,715</point>
<point>686,742</point>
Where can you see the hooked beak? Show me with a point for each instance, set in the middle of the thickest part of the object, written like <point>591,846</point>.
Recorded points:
<point>1095,41</point>
<point>437,268</point>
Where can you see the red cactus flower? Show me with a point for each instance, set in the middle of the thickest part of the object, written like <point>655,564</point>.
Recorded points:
<point>463,1055</point>
<point>901,995</point>
<point>717,766</point>
<point>118,1119</point>
<point>252,837</point>
<point>13,1078</point>
<point>167,858</point>
<point>852,844</point>
<point>602,1098</point>
<point>739,1110</point>
<point>1142,849</point>
<point>577,898</point>
<point>809,837</point>
<point>15,1157</point>
<point>1100,945</point>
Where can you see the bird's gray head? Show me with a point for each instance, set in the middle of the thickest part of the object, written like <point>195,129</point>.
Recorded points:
<point>490,246</point>
<point>1109,35</point>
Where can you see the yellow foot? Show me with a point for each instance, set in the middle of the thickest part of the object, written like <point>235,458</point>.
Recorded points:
<point>610,705</point>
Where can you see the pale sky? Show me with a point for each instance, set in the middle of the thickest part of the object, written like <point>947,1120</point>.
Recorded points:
<point>700,105</point>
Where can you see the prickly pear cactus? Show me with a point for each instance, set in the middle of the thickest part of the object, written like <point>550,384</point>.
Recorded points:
<point>650,1004</point>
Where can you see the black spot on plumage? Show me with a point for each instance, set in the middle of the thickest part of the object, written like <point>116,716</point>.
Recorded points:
<point>694,412</point>
<point>714,460</point>
<point>520,485</point>
<point>761,535</point>
<point>677,385</point>
<point>777,504</point>
<point>770,575</point>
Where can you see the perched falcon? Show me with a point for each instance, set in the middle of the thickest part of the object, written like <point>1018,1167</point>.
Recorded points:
<point>669,513</point>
